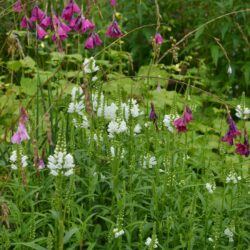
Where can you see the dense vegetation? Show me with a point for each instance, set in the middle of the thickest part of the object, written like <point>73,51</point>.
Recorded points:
<point>124,124</point>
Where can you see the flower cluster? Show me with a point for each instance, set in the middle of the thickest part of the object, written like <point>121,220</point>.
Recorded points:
<point>210,187</point>
<point>61,162</point>
<point>242,112</point>
<point>168,121</point>
<point>14,161</point>
<point>232,177</point>
<point>21,134</point>
<point>181,123</point>
<point>71,19</point>
<point>117,127</point>
<point>149,161</point>
<point>118,233</point>
<point>149,242</point>
<point>233,132</point>
<point>229,234</point>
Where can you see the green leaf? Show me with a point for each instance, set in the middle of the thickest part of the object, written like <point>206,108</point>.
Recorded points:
<point>28,62</point>
<point>28,86</point>
<point>215,54</point>
<point>31,245</point>
<point>199,32</point>
<point>14,65</point>
<point>69,234</point>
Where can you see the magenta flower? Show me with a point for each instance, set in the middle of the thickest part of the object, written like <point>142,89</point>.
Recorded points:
<point>46,22</point>
<point>17,6</point>
<point>113,3</point>
<point>243,149</point>
<point>41,164</point>
<point>69,10</point>
<point>92,41</point>
<point>232,131</point>
<point>60,35</point>
<point>158,39</point>
<point>114,30</point>
<point>153,116</point>
<point>20,135</point>
<point>87,25</point>
<point>37,14</point>
<point>26,23</point>
<point>187,114</point>
<point>81,24</point>
<point>181,125</point>
<point>65,27</point>
<point>40,32</point>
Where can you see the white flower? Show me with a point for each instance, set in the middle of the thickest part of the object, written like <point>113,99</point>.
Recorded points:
<point>13,156</point>
<point>110,111</point>
<point>232,177</point>
<point>137,129</point>
<point>122,127</point>
<point>85,122</point>
<point>149,242</point>
<point>112,150</point>
<point>76,107</point>
<point>210,239</point>
<point>149,162</point>
<point>145,124</point>
<point>61,162</point>
<point>74,91</point>
<point>89,66</point>
<point>13,160</point>
<point>94,78</point>
<point>242,112</point>
<point>118,232</point>
<point>113,127</point>
<point>168,123</point>
<point>210,188</point>
<point>152,161</point>
<point>229,234</point>
<point>229,70</point>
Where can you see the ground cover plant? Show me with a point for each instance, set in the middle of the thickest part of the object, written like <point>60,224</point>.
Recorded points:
<point>124,125</point>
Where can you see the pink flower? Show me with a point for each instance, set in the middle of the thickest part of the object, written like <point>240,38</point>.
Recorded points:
<point>232,131</point>
<point>37,14</point>
<point>69,10</point>
<point>181,125</point>
<point>113,30</point>
<point>41,164</point>
<point>17,6</point>
<point>41,33</point>
<point>243,149</point>
<point>92,41</point>
<point>87,25</point>
<point>158,39</point>
<point>20,135</point>
<point>81,24</point>
<point>61,34</point>
<point>187,114</point>
<point>46,22</point>
<point>26,23</point>
<point>113,3</point>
